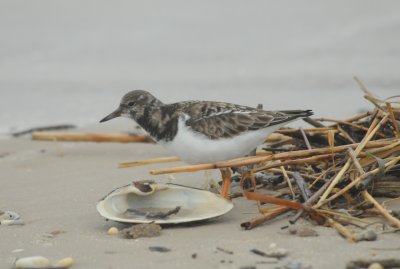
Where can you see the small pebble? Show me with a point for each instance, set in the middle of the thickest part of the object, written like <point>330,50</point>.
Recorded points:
<point>367,235</point>
<point>33,262</point>
<point>194,255</point>
<point>113,231</point>
<point>66,262</point>
<point>302,231</point>
<point>396,213</point>
<point>375,265</point>
<point>277,252</point>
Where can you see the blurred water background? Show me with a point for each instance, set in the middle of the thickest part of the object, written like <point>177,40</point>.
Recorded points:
<point>71,61</point>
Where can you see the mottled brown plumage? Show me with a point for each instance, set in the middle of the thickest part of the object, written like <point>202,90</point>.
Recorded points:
<point>223,120</point>
<point>201,131</point>
<point>215,120</point>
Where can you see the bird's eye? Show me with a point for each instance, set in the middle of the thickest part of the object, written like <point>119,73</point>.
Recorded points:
<point>131,103</point>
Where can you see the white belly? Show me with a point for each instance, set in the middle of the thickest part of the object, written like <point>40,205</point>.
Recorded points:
<point>196,148</point>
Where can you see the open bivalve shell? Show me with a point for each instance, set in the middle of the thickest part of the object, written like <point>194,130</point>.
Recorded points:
<point>161,204</point>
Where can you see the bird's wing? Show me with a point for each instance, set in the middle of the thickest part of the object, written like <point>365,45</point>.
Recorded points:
<point>216,120</point>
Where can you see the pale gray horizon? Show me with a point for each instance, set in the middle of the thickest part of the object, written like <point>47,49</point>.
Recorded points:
<point>71,61</point>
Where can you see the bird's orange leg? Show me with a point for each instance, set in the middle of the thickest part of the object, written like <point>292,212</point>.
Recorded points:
<point>226,182</point>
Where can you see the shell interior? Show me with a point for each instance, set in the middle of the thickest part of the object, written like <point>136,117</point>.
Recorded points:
<point>123,204</point>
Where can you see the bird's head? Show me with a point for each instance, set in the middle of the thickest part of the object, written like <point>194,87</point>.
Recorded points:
<point>133,105</point>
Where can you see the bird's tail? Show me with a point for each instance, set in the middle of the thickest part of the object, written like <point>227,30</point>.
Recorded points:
<point>298,113</point>
<point>286,116</point>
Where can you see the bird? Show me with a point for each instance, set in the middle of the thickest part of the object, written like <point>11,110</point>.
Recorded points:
<point>203,131</point>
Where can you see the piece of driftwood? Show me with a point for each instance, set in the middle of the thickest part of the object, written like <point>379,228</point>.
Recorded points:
<point>149,161</point>
<point>303,187</point>
<point>248,225</point>
<point>89,137</point>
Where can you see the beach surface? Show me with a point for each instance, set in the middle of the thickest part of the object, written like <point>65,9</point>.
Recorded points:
<point>55,186</point>
<point>70,62</point>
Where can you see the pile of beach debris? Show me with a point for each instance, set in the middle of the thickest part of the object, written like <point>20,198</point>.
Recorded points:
<point>332,173</point>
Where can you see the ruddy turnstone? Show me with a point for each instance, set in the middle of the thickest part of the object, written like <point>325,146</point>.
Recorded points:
<point>203,131</point>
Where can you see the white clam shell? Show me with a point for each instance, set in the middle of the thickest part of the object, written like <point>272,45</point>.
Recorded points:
<point>195,205</point>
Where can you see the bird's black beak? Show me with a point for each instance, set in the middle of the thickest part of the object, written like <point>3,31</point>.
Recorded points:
<point>114,114</point>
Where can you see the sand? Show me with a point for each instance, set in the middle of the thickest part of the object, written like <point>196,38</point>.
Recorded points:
<point>55,186</point>
<point>71,61</point>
